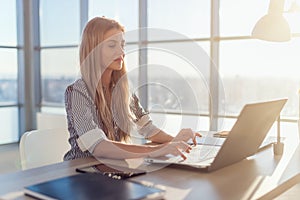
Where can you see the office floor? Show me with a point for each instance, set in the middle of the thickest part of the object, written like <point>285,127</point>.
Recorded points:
<point>10,162</point>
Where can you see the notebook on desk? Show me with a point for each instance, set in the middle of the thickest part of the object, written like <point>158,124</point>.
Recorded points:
<point>92,186</point>
<point>244,139</point>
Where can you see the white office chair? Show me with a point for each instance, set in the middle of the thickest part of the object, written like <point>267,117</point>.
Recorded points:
<point>43,147</point>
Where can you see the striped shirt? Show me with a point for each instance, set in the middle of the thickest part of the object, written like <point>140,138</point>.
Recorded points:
<point>85,128</point>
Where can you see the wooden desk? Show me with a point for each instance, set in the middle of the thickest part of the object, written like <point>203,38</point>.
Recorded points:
<point>261,176</point>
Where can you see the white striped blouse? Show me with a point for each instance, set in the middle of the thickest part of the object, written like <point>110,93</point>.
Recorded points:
<point>85,128</point>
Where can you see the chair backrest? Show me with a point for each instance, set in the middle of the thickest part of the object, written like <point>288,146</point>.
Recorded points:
<point>43,147</point>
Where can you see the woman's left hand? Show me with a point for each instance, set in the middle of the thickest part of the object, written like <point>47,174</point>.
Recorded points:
<point>187,134</point>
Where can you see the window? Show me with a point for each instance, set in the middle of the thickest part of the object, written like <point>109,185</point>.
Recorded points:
<point>237,18</point>
<point>125,12</point>
<point>59,22</point>
<point>8,73</point>
<point>179,81</point>
<point>59,68</point>
<point>178,63</point>
<point>8,34</point>
<point>190,19</point>
<point>250,70</point>
<point>60,35</point>
<point>8,76</point>
<point>253,70</point>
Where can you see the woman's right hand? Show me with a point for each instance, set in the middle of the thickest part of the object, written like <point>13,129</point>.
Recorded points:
<point>176,148</point>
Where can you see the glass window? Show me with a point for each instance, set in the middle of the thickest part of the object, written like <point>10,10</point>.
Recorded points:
<point>172,124</point>
<point>255,70</point>
<point>8,76</point>
<point>125,12</point>
<point>53,109</point>
<point>132,64</point>
<point>8,23</point>
<point>178,77</point>
<point>9,125</point>
<point>191,19</point>
<point>59,22</point>
<point>59,68</point>
<point>237,18</point>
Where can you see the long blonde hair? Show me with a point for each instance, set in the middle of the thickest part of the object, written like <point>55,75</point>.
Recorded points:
<point>91,68</point>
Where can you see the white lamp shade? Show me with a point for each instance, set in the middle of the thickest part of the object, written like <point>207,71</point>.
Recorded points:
<point>272,27</point>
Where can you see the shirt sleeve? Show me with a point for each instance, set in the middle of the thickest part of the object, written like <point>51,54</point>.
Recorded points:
<point>142,120</point>
<point>81,110</point>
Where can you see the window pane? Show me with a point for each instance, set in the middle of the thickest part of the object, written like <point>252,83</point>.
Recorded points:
<point>54,110</point>
<point>237,18</point>
<point>59,22</point>
<point>172,124</point>
<point>125,12</point>
<point>288,127</point>
<point>254,70</point>
<point>9,125</point>
<point>191,19</point>
<point>59,68</point>
<point>178,81</point>
<point>8,76</point>
<point>132,64</point>
<point>8,33</point>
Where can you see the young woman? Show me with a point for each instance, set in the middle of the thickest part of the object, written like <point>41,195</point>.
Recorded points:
<point>100,111</point>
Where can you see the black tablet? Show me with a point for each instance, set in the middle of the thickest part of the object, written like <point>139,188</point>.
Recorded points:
<point>111,171</point>
<point>92,186</point>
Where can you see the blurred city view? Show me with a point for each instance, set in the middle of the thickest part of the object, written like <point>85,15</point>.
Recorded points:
<point>177,96</point>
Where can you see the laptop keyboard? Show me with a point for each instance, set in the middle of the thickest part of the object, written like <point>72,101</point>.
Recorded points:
<point>201,153</point>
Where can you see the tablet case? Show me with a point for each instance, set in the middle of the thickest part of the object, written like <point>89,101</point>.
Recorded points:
<point>92,186</point>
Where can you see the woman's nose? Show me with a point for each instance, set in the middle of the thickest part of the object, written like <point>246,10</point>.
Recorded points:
<point>120,50</point>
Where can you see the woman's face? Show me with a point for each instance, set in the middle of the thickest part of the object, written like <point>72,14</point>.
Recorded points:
<point>113,49</point>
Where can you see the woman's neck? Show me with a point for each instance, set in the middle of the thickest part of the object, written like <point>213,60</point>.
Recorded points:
<point>106,78</point>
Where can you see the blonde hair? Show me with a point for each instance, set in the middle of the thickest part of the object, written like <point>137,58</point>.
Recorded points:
<point>115,109</point>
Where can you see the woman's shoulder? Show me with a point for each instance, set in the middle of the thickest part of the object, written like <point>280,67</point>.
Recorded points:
<point>78,86</point>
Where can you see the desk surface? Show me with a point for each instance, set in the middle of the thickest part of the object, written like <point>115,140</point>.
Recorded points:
<point>260,176</point>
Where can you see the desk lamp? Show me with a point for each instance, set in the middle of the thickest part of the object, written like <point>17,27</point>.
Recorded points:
<point>273,26</point>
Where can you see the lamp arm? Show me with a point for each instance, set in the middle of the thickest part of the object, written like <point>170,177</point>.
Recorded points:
<point>276,6</point>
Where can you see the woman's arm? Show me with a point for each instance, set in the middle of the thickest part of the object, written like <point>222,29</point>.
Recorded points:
<point>161,137</point>
<point>184,135</point>
<point>118,150</point>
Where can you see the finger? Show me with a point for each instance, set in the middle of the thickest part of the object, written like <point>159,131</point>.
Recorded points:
<point>184,146</point>
<point>198,134</point>
<point>194,138</point>
<point>178,152</point>
<point>182,155</point>
<point>194,141</point>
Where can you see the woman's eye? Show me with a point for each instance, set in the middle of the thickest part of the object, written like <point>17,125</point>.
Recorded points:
<point>112,45</point>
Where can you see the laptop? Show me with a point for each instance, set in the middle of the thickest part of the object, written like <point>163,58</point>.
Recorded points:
<point>243,140</point>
